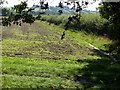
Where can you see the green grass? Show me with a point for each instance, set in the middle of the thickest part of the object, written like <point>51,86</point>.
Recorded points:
<point>35,57</point>
<point>81,36</point>
<point>45,42</point>
<point>91,24</point>
<point>39,73</point>
<point>88,21</point>
<point>56,74</point>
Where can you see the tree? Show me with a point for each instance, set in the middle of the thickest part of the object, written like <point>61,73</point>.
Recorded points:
<point>44,5</point>
<point>111,11</point>
<point>75,19</point>
<point>22,14</point>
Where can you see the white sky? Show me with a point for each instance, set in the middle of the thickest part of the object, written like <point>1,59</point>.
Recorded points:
<point>51,3</point>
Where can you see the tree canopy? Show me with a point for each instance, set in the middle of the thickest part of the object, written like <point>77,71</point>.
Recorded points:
<point>22,12</point>
<point>111,11</point>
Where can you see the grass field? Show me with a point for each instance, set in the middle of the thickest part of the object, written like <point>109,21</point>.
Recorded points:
<point>34,56</point>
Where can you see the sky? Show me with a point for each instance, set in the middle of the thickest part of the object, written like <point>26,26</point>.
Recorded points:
<point>50,2</point>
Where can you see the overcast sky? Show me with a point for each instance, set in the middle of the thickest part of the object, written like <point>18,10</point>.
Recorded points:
<point>51,3</point>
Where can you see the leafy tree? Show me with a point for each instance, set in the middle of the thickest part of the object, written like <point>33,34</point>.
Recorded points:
<point>74,21</point>
<point>44,5</point>
<point>111,11</point>
<point>22,14</point>
<point>60,5</point>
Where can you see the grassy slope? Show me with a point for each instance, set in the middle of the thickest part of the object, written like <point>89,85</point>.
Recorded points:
<point>35,57</point>
<point>90,24</point>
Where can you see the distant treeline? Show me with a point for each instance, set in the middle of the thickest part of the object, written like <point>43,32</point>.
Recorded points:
<point>52,10</point>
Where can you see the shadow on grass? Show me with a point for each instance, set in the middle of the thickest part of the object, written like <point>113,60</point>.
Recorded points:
<point>99,74</point>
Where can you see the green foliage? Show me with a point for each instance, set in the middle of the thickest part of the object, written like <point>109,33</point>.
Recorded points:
<point>73,21</point>
<point>44,6</point>
<point>56,19</point>
<point>20,7</point>
<point>22,14</point>
<point>110,11</point>
<point>60,5</point>
<point>91,23</point>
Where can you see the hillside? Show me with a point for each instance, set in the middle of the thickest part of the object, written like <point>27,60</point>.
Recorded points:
<point>54,10</point>
<point>45,41</point>
<point>34,56</point>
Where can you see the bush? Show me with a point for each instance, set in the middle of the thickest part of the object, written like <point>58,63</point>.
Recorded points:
<point>91,23</point>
